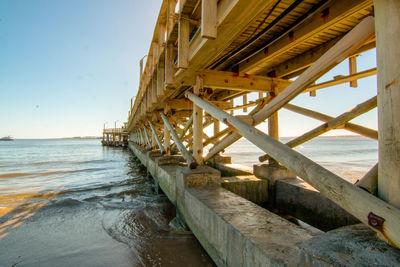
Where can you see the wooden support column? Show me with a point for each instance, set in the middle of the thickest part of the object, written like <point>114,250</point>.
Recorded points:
<point>216,127</point>
<point>169,64</point>
<point>183,42</point>
<point>154,99</point>
<point>170,14</point>
<point>245,102</point>
<point>198,124</point>
<point>141,68</point>
<point>273,130</point>
<point>160,78</point>
<point>387,13</point>
<point>353,70</point>
<point>167,139</point>
<point>209,19</point>
<point>188,157</point>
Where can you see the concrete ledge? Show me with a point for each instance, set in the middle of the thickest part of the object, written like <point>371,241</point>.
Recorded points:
<point>355,245</point>
<point>299,199</point>
<point>272,173</point>
<point>236,232</point>
<point>248,187</point>
<point>200,176</point>
<point>232,169</point>
<point>164,160</point>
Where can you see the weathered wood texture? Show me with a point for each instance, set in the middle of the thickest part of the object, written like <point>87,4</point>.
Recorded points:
<point>351,198</point>
<point>387,14</point>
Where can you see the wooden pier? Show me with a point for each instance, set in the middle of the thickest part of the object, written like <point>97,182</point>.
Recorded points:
<point>206,56</point>
<point>115,137</point>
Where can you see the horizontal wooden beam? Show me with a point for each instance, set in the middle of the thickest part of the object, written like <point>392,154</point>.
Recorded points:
<point>355,128</point>
<point>342,79</point>
<point>185,104</point>
<point>330,125</point>
<point>203,51</point>
<point>239,81</point>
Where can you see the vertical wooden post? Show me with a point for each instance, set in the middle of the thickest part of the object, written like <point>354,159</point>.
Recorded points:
<point>353,70</point>
<point>167,138</point>
<point>198,124</point>
<point>216,126</point>
<point>183,41</point>
<point>387,21</point>
<point>160,78</point>
<point>209,19</point>
<point>170,14</point>
<point>154,98</point>
<point>161,63</point>
<point>141,68</point>
<point>169,63</point>
<point>245,102</point>
<point>148,96</point>
<point>231,100</point>
<point>273,129</point>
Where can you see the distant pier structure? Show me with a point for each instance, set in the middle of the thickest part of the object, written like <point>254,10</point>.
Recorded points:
<point>115,136</point>
<point>217,69</point>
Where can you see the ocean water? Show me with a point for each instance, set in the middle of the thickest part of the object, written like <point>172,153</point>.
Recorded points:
<point>349,157</point>
<point>76,203</point>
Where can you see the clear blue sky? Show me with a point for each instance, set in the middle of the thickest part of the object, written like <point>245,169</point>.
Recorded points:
<point>66,67</point>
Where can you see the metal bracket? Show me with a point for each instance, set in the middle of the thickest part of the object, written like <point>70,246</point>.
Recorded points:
<point>375,221</point>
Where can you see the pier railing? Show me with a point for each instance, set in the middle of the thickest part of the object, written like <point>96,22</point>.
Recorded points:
<point>187,73</point>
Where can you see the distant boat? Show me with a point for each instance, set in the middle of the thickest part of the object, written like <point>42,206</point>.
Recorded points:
<point>7,138</point>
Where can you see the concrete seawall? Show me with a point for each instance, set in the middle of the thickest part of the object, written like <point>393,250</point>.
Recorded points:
<point>236,232</point>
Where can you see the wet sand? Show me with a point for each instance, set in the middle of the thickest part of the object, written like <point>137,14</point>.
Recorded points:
<point>85,235</point>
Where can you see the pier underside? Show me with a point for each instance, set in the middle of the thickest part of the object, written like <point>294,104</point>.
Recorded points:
<point>207,59</point>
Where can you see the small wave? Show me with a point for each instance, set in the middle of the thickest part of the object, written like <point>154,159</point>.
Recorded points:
<point>67,202</point>
<point>19,174</point>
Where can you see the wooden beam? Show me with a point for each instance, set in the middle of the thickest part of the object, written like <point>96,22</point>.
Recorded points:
<point>187,156</point>
<point>184,104</point>
<point>354,200</point>
<point>169,64</point>
<point>209,19</point>
<point>355,128</point>
<point>332,124</point>
<point>342,79</point>
<point>341,50</point>
<point>388,53</point>
<point>244,103</point>
<point>160,78</point>
<point>369,181</point>
<point>338,10</point>
<point>353,70</point>
<point>198,124</point>
<point>294,66</point>
<point>203,51</point>
<point>239,81</point>
<point>183,42</point>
